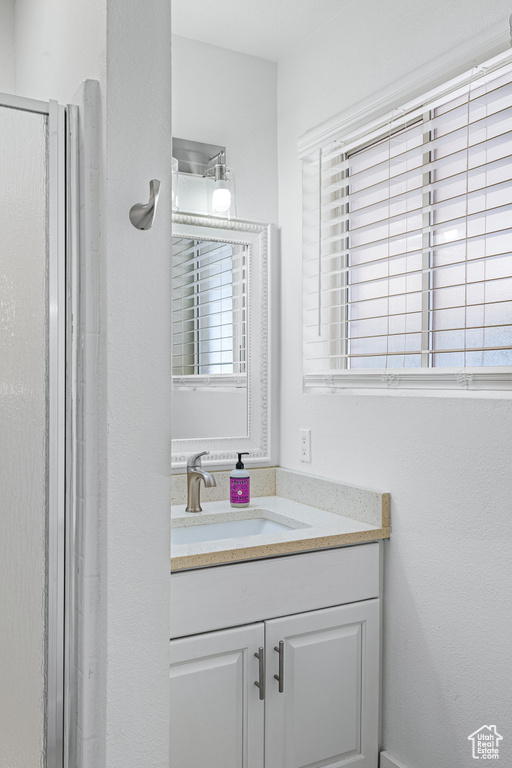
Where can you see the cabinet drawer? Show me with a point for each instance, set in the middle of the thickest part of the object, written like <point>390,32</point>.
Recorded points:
<point>231,595</point>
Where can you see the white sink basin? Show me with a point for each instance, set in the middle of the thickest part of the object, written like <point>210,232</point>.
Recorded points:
<point>229,529</point>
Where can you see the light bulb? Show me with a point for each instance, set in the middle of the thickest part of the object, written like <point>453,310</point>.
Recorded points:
<point>221,200</point>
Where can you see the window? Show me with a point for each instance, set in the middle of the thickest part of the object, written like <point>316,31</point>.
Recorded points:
<point>407,232</point>
<point>209,305</point>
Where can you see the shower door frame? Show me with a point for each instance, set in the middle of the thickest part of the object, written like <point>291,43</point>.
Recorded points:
<point>60,601</point>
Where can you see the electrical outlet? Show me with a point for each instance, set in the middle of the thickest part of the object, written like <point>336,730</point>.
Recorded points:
<point>305,444</point>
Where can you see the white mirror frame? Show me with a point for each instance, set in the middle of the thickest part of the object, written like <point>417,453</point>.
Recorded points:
<point>257,237</point>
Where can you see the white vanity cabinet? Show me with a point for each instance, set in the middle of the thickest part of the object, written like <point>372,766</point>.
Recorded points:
<point>317,699</point>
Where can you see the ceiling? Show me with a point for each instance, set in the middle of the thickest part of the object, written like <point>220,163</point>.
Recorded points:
<point>266,28</point>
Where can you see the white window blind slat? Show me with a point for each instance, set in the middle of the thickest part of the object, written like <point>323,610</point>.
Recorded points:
<point>493,265</point>
<point>410,181</point>
<point>447,191</point>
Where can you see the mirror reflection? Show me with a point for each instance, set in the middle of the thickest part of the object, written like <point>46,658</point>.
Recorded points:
<point>224,131</point>
<point>209,352</point>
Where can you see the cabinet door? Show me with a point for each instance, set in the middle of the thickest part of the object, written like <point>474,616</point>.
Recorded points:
<point>216,713</point>
<point>327,712</point>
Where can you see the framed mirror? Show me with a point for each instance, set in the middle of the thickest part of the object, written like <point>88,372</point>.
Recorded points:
<point>220,339</point>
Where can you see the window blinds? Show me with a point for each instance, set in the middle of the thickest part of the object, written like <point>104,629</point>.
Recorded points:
<point>208,307</point>
<point>407,238</point>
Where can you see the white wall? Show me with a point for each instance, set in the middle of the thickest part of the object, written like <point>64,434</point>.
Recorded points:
<point>446,461</point>
<point>58,44</point>
<point>7,70</point>
<point>228,98</point>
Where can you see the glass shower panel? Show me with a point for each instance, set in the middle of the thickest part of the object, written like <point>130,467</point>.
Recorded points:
<point>23,436</point>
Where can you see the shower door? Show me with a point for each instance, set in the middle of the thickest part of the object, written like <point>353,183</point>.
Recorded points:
<point>32,422</point>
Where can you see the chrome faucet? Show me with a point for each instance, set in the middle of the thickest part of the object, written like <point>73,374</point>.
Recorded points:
<point>195,473</point>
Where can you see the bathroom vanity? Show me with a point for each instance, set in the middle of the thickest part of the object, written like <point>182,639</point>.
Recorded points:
<point>275,660</point>
<point>275,608</point>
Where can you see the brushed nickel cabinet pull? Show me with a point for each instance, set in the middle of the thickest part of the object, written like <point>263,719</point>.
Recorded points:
<point>280,676</point>
<point>260,683</point>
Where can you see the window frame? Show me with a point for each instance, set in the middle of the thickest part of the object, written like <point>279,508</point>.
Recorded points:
<point>355,133</point>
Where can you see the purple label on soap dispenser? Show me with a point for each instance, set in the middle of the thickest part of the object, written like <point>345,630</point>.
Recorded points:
<point>239,490</point>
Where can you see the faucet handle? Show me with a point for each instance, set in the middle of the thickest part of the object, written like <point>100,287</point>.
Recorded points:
<point>194,461</point>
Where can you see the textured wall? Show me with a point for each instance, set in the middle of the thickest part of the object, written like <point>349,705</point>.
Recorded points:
<point>138,307</point>
<point>446,462</point>
<point>228,98</point>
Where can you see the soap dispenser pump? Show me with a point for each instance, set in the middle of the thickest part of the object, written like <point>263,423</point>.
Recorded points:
<point>239,484</point>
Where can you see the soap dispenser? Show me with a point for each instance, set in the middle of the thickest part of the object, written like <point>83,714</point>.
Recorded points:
<point>239,484</point>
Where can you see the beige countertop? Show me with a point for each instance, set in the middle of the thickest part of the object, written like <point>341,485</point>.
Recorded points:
<point>354,516</point>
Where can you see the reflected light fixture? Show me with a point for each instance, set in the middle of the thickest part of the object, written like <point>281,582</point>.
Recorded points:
<point>210,183</point>
<point>221,197</point>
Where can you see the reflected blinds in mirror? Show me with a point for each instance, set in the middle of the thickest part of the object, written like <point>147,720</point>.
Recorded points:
<point>408,238</point>
<point>209,306</point>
